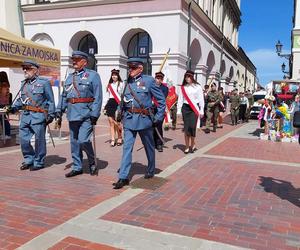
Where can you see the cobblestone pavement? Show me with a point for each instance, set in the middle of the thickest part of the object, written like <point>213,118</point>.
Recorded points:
<point>234,192</point>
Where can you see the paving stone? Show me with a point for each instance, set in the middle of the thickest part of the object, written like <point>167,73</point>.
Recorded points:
<point>237,215</point>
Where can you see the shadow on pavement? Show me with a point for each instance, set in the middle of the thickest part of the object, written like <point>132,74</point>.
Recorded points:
<point>100,165</point>
<point>54,160</point>
<point>179,146</point>
<point>257,132</point>
<point>139,169</point>
<point>283,189</point>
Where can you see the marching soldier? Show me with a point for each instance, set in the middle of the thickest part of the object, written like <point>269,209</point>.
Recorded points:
<point>213,101</point>
<point>159,77</point>
<point>36,101</point>
<point>235,101</point>
<point>82,98</point>
<point>139,118</point>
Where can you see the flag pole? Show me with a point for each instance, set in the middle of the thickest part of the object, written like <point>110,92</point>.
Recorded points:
<point>164,61</point>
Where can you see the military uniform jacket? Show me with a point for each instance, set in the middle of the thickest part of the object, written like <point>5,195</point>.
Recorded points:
<point>235,101</point>
<point>37,93</point>
<point>145,88</point>
<point>83,84</point>
<point>213,97</point>
<point>250,100</point>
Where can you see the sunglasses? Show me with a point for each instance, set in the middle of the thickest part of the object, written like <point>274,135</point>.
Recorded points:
<point>133,66</point>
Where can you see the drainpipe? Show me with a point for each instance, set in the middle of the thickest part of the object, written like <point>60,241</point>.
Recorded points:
<point>222,41</point>
<point>189,63</point>
<point>21,21</point>
<point>245,77</point>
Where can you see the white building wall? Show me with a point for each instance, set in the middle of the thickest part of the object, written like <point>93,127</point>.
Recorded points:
<point>297,15</point>
<point>167,30</point>
<point>109,33</point>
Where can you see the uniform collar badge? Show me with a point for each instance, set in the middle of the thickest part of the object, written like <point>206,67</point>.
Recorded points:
<point>85,75</point>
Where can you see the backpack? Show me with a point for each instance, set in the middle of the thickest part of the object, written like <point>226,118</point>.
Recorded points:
<point>296,119</point>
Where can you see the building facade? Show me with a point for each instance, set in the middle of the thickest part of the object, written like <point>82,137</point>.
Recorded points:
<point>202,35</point>
<point>296,42</point>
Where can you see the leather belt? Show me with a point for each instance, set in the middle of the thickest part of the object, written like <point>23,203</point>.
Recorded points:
<point>34,109</point>
<point>139,111</point>
<point>80,100</point>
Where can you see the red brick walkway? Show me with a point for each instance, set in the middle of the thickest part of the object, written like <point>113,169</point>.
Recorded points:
<point>257,149</point>
<point>71,243</point>
<point>243,204</point>
<point>34,202</point>
<point>235,202</point>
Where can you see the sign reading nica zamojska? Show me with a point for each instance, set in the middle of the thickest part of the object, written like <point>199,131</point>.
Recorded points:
<point>43,55</point>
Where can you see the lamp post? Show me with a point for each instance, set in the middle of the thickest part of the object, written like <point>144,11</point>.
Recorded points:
<point>278,47</point>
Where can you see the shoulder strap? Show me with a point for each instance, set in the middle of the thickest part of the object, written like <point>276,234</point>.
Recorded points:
<point>122,96</point>
<point>74,85</point>
<point>135,97</point>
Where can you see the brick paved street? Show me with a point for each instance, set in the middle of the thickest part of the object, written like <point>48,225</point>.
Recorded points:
<point>234,192</point>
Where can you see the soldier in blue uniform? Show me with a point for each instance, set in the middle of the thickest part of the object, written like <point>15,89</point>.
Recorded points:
<point>82,98</point>
<point>138,118</point>
<point>159,77</point>
<point>36,101</point>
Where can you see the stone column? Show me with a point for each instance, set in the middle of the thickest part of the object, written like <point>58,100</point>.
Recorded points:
<point>213,77</point>
<point>201,71</point>
<point>105,63</point>
<point>174,68</point>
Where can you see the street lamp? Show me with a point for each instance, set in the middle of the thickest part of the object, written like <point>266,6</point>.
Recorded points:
<point>278,47</point>
<point>285,72</point>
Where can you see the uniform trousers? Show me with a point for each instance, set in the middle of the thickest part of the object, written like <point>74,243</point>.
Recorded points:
<point>242,112</point>
<point>212,114</point>
<point>157,140</point>
<point>37,155</point>
<point>173,114</point>
<point>234,112</point>
<point>80,135</point>
<point>146,136</point>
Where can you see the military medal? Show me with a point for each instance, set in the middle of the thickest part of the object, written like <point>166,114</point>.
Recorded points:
<point>85,76</point>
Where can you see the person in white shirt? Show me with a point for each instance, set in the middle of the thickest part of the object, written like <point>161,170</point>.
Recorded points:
<point>244,104</point>
<point>192,109</point>
<point>114,89</point>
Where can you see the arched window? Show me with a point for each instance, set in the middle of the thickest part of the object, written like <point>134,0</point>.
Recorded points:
<point>88,44</point>
<point>140,45</point>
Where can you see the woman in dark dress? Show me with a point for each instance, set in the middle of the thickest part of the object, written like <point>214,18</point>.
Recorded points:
<point>192,101</point>
<point>114,89</point>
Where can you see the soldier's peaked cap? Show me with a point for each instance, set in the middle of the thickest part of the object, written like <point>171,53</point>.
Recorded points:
<point>159,74</point>
<point>30,63</point>
<point>79,54</point>
<point>135,60</point>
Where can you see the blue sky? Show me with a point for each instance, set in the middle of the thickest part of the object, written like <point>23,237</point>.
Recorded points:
<point>264,22</point>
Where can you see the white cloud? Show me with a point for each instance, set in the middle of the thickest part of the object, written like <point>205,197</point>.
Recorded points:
<point>268,64</point>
